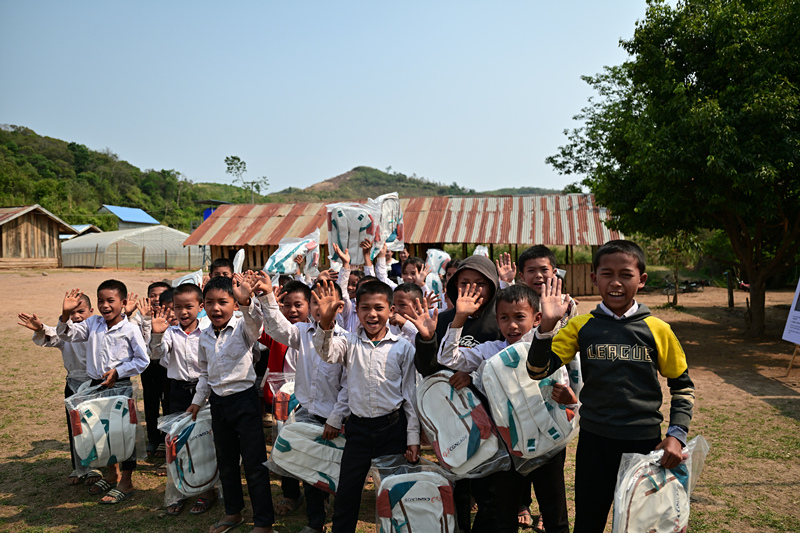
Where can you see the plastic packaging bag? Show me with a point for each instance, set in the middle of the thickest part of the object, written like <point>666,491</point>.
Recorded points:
<point>238,261</point>
<point>300,452</point>
<point>106,427</point>
<point>459,428</point>
<point>191,456</point>
<point>195,277</point>
<point>481,250</point>
<point>412,497</point>
<point>284,403</point>
<point>391,220</point>
<point>283,260</point>
<point>649,497</point>
<point>437,259</point>
<point>348,225</point>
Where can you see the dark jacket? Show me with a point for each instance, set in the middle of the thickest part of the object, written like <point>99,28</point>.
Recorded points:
<point>478,329</point>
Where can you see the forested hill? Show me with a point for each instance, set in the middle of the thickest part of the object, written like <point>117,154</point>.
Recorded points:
<point>73,182</point>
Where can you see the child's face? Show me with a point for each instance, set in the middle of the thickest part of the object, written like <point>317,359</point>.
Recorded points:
<point>410,273</point>
<point>468,277</point>
<point>295,307</point>
<point>352,284</point>
<point>110,304</point>
<point>373,312</point>
<point>225,272</point>
<point>449,273</point>
<point>403,255</point>
<point>219,307</point>
<point>153,295</point>
<point>404,302</point>
<point>81,313</point>
<point>619,279</point>
<point>515,319</point>
<point>186,307</point>
<point>536,272</point>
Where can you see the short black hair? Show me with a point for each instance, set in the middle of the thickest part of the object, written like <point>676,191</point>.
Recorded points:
<point>187,288</point>
<point>518,293</point>
<point>411,288</point>
<point>222,262</point>
<point>535,252</point>
<point>357,273</point>
<point>283,279</point>
<point>158,285</point>
<point>338,288</point>
<point>114,285</point>
<point>165,298</point>
<point>295,286</point>
<point>622,247</point>
<point>418,263</point>
<point>453,263</point>
<point>220,283</point>
<point>85,298</point>
<point>375,287</point>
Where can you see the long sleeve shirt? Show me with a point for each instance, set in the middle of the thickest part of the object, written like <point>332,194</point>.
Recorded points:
<point>120,347</point>
<point>319,386</point>
<point>73,355</point>
<point>381,378</point>
<point>226,359</point>
<point>178,352</point>
<point>347,319</point>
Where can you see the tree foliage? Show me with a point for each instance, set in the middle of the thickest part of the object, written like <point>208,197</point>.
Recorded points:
<point>701,129</point>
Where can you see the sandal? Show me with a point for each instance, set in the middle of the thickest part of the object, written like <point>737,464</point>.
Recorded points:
<point>174,509</point>
<point>161,471</point>
<point>75,479</point>
<point>161,451</point>
<point>101,487</point>
<point>287,505</point>
<point>539,524</point>
<point>93,477</point>
<point>203,505</point>
<point>227,525</point>
<point>524,518</point>
<point>117,496</point>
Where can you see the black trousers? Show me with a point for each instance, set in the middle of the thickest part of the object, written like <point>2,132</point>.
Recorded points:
<point>156,396</point>
<point>596,465</point>
<point>367,438</point>
<point>315,505</point>
<point>67,393</point>
<point>238,432</point>
<point>181,394</point>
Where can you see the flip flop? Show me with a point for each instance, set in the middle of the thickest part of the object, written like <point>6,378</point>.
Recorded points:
<point>75,479</point>
<point>287,506</point>
<point>118,496</point>
<point>93,476</point>
<point>227,525</point>
<point>101,487</point>
<point>204,503</point>
<point>524,518</point>
<point>174,509</point>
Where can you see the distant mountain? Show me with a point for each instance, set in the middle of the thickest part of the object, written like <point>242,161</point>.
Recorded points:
<point>520,190</point>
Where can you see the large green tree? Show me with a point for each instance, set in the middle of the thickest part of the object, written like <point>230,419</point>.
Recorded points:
<point>700,128</point>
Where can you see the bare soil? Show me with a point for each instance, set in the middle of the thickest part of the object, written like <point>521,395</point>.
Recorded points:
<point>747,408</point>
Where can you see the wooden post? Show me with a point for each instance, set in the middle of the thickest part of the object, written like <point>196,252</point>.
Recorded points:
<point>143,249</point>
<point>730,290</point>
<point>116,244</point>
<point>491,251</point>
<point>190,257</point>
<point>96,250</point>
<point>165,260</point>
<point>463,251</point>
<point>516,253</point>
<point>791,362</point>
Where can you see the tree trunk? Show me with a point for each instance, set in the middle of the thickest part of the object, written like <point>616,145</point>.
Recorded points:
<point>754,320</point>
<point>675,294</point>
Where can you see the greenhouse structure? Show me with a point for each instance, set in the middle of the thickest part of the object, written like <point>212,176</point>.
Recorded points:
<point>151,247</point>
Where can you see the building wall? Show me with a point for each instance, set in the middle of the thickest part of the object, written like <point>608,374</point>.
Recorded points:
<point>30,240</point>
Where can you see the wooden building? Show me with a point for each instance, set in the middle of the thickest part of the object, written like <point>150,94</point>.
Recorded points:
<point>29,237</point>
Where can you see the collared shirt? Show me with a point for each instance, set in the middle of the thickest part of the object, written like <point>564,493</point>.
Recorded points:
<point>73,355</point>
<point>177,351</point>
<point>120,347</point>
<point>468,359</point>
<point>381,379</point>
<point>629,312</point>
<point>408,332</point>
<point>319,386</point>
<point>226,360</point>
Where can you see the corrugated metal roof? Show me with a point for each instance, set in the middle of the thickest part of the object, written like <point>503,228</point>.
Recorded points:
<point>130,214</point>
<point>568,219</point>
<point>8,214</point>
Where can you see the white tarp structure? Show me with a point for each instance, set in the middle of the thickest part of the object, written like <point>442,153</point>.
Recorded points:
<point>124,248</point>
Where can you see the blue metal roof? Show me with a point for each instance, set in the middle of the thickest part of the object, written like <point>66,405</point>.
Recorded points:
<point>131,214</point>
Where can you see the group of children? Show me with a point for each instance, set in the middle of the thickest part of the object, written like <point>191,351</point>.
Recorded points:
<point>357,341</point>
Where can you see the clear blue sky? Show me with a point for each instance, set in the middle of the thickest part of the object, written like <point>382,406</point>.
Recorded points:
<point>472,92</point>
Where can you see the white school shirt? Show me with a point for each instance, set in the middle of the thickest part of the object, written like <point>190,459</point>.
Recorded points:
<point>73,355</point>
<point>177,352</point>
<point>319,386</point>
<point>347,319</point>
<point>380,378</point>
<point>226,361</point>
<point>120,347</point>
<point>408,332</point>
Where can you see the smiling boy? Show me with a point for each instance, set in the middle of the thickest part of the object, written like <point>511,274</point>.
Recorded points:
<point>383,419</point>
<point>623,348</point>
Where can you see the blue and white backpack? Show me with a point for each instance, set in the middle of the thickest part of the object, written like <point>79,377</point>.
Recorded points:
<point>104,430</point>
<point>191,455</point>
<point>301,451</point>
<point>416,502</point>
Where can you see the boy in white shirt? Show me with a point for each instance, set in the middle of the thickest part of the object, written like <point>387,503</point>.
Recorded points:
<point>225,357</point>
<point>380,370</point>
<point>116,352</point>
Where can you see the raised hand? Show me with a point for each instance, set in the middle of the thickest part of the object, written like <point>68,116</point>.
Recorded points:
<point>469,301</point>
<point>422,320</point>
<point>553,303</point>
<point>31,322</point>
<point>131,303</point>
<point>262,282</point>
<point>144,307</point>
<point>237,278</point>
<point>366,247</point>
<point>344,255</point>
<point>160,322</point>
<point>506,268</point>
<point>328,302</point>
<point>242,290</point>
<point>72,299</point>
<point>206,279</point>
<point>422,274</point>
<point>431,300</point>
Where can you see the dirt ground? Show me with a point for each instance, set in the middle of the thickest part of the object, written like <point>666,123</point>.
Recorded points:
<point>747,409</point>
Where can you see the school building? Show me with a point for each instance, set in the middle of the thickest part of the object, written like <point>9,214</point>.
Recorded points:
<point>567,220</point>
<point>29,237</point>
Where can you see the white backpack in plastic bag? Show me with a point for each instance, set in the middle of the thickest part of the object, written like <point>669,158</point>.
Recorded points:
<point>437,259</point>
<point>457,423</point>
<point>416,502</point>
<point>195,278</point>
<point>191,456</point>
<point>391,220</point>
<point>104,430</point>
<point>528,419</point>
<point>301,451</point>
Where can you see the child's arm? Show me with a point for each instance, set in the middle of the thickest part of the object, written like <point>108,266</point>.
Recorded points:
<point>344,277</point>
<point>252,313</point>
<point>67,330</point>
<point>410,396</point>
<point>276,325</point>
<point>549,351</point>
<point>43,335</point>
<point>366,246</point>
<point>160,344</point>
<point>331,348</point>
<point>333,425</point>
<point>380,269</point>
<point>201,390</point>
